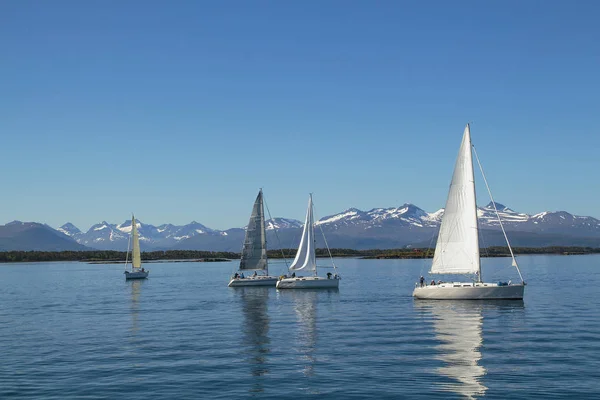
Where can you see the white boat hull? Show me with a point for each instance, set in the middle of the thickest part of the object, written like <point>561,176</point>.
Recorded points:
<point>470,291</point>
<point>309,282</point>
<point>253,281</point>
<point>136,275</point>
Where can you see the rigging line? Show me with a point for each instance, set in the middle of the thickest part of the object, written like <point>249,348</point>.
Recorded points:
<point>427,254</point>
<point>242,250</point>
<point>276,234</point>
<point>481,237</point>
<point>498,215</point>
<point>326,245</point>
<point>127,253</point>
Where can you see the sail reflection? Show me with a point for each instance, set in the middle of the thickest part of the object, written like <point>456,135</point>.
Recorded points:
<point>458,326</point>
<point>134,307</point>
<point>254,304</point>
<point>305,308</point>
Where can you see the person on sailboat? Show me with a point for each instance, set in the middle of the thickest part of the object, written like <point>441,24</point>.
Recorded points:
<point>422,281</point>
<point>254,274</point>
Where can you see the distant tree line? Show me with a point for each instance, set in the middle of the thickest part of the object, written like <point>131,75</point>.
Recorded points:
<point>492,251</point>
<point>119,256</point>
<point>111,256</point>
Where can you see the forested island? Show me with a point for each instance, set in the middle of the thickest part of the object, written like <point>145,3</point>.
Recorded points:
<point>108,256</point>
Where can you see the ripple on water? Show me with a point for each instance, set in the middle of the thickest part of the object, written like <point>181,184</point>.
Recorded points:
<point>80,331</point>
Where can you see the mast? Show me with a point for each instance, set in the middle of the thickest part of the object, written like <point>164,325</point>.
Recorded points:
<point>468,128</point>
<point>312,228</point>
<point>263,231</point>
<point>127,253</point>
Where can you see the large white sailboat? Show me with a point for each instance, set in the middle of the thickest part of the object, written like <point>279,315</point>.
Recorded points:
<point>306,261</point>
<point>137,272</point>
<point>254,251</point>
<point>457,248</point>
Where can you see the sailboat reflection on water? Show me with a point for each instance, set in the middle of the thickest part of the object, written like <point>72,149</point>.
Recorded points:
<point>255,328</point>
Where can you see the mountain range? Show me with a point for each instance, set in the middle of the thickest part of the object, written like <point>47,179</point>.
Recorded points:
<point>395,227</point>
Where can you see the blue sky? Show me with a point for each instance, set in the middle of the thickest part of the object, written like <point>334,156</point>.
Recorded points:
<point>180,111</point>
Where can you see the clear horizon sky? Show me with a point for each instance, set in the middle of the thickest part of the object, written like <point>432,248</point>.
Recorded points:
<point>181,111</point>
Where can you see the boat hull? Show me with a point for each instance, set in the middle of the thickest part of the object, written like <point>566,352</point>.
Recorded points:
<point>311,282</point>
<point>136,275</point>
<point>253,281</point>
<point>470,291</point>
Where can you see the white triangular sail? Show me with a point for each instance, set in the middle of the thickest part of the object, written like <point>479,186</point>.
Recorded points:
<point>457,248</point>
<point>306,259</point>
<point>254,251</point>
<point>136,259</point>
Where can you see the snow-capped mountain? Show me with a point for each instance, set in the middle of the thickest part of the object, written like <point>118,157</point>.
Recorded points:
<point>391,227</point>
<point>27,236</point>
<point>487,215</point>
<point>106,236</point>
<point>282,223</point>
<point>411,215</point>
<point>407,214</point>
<point>70,230</point>
<point>378,227</point>
<point>99,234</point>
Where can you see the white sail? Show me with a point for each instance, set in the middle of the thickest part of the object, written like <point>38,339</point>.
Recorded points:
<point>136,259</point>
<point>457,248</point>
<point>254,251</point>
<point>306,259</point>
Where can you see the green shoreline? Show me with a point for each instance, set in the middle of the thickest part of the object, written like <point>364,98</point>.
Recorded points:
<point>105,257</point>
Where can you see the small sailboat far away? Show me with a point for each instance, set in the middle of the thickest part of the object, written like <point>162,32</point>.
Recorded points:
<point>306,261</point>
<point>457,248</point>
<point>137,272</point>
<point>254,251</point>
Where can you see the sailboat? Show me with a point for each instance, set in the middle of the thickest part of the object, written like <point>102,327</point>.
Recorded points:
<point>254,251</point>
<point>457,248</point>
<point>137,272</point>
<point>306,261</point>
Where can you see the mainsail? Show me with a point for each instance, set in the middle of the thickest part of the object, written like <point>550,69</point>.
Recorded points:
<point>254,251</point>
<point>136,259</point>
<point>306,259</point>
<point>457,248</point>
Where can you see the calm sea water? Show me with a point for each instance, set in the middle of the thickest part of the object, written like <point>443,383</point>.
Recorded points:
<point>80,331</point>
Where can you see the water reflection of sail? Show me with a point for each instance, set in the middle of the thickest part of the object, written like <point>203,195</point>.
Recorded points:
<point>256,331</point>
<point>134,307</point>
<point>305,306</point>
<point>458,326</point>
